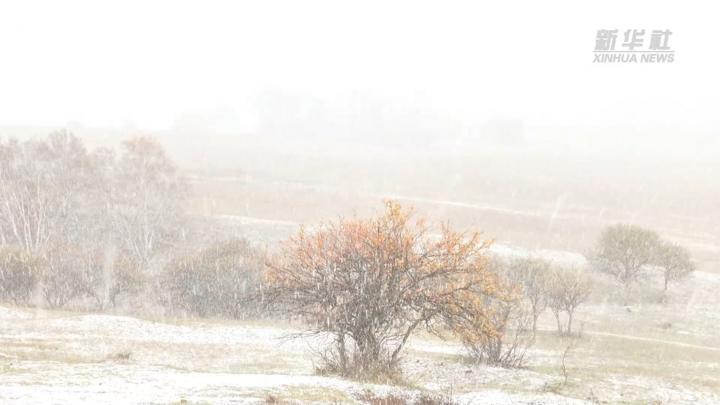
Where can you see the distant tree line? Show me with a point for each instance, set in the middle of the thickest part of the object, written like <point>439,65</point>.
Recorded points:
<point>85,222</point>
<point>94,227</point>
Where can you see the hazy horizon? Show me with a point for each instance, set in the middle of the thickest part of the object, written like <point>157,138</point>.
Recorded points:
<point>227,66</point>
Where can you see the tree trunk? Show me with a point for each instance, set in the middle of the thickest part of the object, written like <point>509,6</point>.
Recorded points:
<point>627,293</point>
<point>342,353</point>
<point>559,324</point>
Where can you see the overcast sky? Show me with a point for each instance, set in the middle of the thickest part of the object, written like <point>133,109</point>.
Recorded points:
<point>147,63</point>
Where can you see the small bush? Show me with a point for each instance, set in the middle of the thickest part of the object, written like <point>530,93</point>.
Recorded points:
<point>424,398</point>
<point>501,337</point>
<point>371,398</point>
<point>221,280</point>
<point>18,275</point>
<point>434,399</point>
<point>126,278</point>
<point>70,272</point>
<point>272,399</point>
<point>122,355</point>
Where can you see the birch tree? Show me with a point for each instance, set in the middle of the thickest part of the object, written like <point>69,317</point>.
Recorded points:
<point>42,184</point>
<point>146,198</point>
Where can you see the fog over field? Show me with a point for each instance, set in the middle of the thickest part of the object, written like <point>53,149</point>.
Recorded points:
<point>379,203</point>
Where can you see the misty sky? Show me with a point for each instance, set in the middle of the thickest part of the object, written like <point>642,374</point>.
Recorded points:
<point>149,63</point>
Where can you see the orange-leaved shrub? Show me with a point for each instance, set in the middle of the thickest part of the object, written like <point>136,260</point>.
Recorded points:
<point>370,283</point>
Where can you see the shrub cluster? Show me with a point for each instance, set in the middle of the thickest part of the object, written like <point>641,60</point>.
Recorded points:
<point>222,280</point>
<point>18,275</point>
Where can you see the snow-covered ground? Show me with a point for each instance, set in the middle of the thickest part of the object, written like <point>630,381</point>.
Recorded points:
<point>53,357</point>
<point>61,357</point>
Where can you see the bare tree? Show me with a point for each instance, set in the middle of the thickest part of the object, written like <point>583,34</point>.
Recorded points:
<point>532,275</point>
<point>624,251</point>
<point>42,187</point>
<point>372,283</point>
<point>147,198</point>
<point>675,262</point>
<point>569,287</point>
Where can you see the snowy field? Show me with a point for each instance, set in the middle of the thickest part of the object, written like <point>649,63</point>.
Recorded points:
<point>53,357</point>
